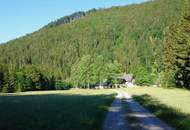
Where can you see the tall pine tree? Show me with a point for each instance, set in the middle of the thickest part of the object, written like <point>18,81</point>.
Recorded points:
<point>177,52</point>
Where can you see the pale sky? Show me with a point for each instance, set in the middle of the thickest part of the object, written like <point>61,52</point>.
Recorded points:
<point>19,17</point>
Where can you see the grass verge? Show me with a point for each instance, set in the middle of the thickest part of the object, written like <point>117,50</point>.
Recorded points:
<point>170,105</point>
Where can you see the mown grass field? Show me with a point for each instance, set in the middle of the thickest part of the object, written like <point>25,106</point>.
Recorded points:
<point>170,105</point>
<point>68,110</point>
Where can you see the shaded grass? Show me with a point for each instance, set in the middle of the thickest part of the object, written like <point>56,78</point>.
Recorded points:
<point>161,102</point>
<point>68,110</point>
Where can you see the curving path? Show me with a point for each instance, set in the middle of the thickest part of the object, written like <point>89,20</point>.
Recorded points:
<point>116,119</point>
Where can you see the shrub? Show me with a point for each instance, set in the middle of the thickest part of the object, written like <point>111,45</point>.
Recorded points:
<point>61,85</point>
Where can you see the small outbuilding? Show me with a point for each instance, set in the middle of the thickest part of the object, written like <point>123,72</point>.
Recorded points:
<point>127,79</point>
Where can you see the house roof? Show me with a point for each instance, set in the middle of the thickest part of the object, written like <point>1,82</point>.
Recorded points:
<point>127,77</point>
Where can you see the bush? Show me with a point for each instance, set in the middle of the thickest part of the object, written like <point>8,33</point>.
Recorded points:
<point>61,85</point>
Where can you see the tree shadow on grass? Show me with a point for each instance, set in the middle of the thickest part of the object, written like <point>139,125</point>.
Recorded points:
<point>54,111</point>
<point>168,114</point>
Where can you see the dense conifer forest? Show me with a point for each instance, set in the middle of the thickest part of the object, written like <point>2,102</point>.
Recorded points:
<point>150,40</point>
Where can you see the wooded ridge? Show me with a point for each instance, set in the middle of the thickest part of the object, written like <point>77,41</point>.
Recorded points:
<point>133,36</point>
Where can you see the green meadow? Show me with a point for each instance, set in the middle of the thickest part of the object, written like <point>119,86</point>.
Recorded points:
<point>71,109</point>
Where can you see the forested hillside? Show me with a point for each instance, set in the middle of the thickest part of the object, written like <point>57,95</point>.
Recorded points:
<point>132,36</point>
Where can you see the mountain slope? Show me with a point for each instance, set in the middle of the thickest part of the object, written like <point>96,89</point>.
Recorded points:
<point>132,35</point>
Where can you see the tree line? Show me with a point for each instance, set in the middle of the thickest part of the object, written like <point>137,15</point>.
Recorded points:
<point>86,72</point>
<point>28,78</point>
<point>70,18</point>
<point>89,71</point>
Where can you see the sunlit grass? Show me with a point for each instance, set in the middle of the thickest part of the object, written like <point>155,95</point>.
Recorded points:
<point>72,109</point>
<point>170,105</point>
